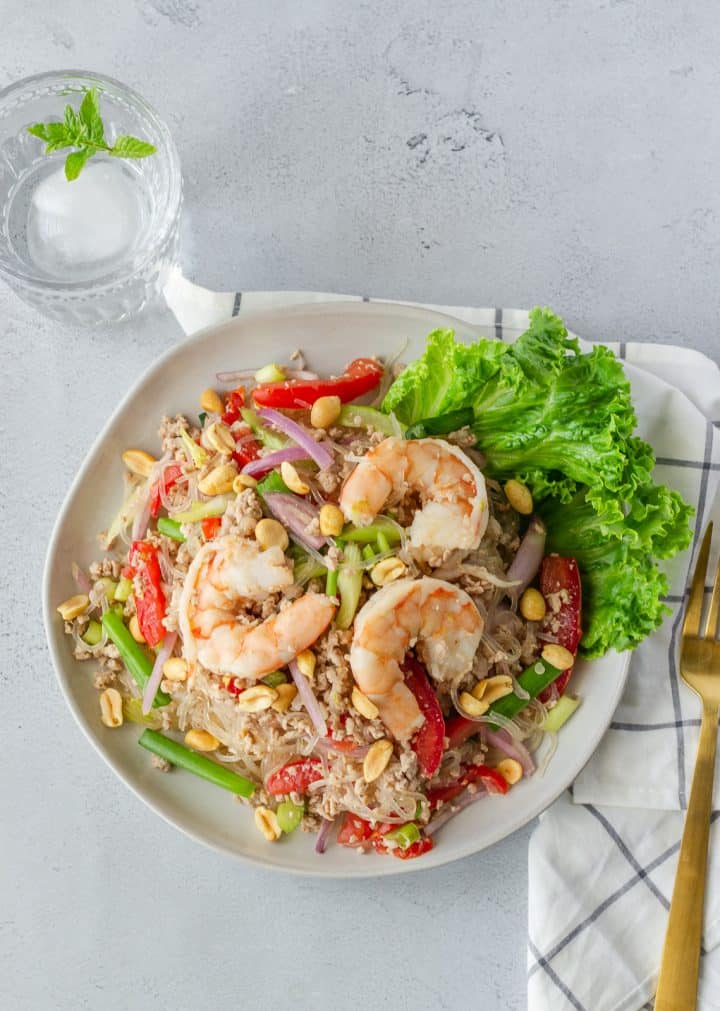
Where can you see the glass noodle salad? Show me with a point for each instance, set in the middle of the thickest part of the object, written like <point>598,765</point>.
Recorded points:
<point>356,602</point>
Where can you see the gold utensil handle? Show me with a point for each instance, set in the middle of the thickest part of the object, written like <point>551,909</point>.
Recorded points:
<point>680,965</point>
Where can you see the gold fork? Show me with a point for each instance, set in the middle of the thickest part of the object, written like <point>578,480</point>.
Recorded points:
<point>700,669</point>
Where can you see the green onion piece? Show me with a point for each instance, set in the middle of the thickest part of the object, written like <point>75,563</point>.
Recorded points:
<point>349,584</point>
<point>202,417</point>
<point>170,528</point>
<point>135,658</point>
<point>92,634</point>
<point>123,590</point>
<point>272,482</point>
<point>368,552</point>
<point>271,373</point>
<point>277,677</point>
<point>199,765</point>
<point>289,815</point>
<point>383,542</point>
<point>359,416</point>
<point>405,835</point>
<point>198,454</point>
<point>132,711</point>
<point>268,438</point>
<point>419,809</point>
<point>560,713</point>
<point>442,425</point>
<point>368,535</point>
<point>533,679</point>
<point>331,583</point>
<point>203,510</point>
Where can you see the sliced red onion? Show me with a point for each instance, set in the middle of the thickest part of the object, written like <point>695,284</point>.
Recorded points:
<point>450,808</point>
<point>501,740</point>
<point>315,450</point>
<point>296,514</point>
<point>273,460</point>
<point>156,675</point>
<point>323,836</point>
<point>527,561</point>
<point>307,697</point>
<point>82,580</point>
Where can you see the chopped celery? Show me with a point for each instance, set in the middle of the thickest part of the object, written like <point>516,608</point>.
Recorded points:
<point>349,584</point>
<point>368,552</point>
<point>331,583</point>
<point>92,634</point>
<point>368,535</point>
<point>306,568</point>
<point>268,438</point>
<point>109,586</point>
<point>272,482</point>
<point>289,815</point>
<point>198,454</point>
<point>132,711</point>
<point>199,765</point>
<point>560,713</point>
<point>124,515</point>
<point>135,658</point>
<point>203,510</point>
<point>277,677</point>
<point>271,373</point>
<point>170,528</point>
<point>382,541</point>
<point>123,590</point>
<point>405,835</point>
<point>359,416</point>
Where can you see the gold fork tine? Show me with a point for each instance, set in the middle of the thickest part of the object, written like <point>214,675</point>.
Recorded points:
<point>691,624</point>
<point>711,623</point>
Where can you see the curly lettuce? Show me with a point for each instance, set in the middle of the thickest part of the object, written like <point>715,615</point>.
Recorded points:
<point>563,422</point>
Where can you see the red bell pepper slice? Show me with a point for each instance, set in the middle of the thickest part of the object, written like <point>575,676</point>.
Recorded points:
<point>560,586</point>
<point>361,376</point>
<point>491,779</point>
<point>460,729</point>
<point>429,741</point>
<point>144,569</point>
<point>234,402</point>
<point>246,450</point>
<point>210,526</point>
<point>169,479</point>
<point>295,777</point>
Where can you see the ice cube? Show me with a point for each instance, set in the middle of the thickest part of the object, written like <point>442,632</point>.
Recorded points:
<point>84,228</point>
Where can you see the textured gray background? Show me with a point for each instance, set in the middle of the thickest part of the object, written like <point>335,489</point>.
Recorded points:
<point>490,153</point>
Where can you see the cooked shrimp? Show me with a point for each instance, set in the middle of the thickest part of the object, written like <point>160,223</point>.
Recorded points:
<point>226,572</point>
<point>454,505</point>
<point>439,617</point>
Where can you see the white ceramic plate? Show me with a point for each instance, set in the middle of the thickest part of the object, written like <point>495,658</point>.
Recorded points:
<point>330,334</point>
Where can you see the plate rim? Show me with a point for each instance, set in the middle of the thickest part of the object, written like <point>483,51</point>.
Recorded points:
<point>388,868</point>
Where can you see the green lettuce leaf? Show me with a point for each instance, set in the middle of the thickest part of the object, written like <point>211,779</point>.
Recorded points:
<point>563,422</point>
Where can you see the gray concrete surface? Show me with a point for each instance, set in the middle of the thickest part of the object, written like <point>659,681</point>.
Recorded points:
<point>497,153</point>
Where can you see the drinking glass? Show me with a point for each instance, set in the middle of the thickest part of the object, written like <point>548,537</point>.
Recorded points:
<point>97,249</point>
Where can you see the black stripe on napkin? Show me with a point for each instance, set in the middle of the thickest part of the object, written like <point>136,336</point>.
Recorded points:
<point>564,989</point>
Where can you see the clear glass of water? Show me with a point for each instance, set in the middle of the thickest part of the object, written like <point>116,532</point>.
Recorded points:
<point>100,248</point>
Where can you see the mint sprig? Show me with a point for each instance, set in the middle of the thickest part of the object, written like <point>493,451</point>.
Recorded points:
<point>85,131</point>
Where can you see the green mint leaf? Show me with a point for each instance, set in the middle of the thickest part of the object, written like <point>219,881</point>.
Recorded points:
<point>55,132</point>
<point>89,116</point>
<point>58,145</point>
<point>131,147</point>
<point>74,163</point>
<point>72,124</point>
<point>39,130</point>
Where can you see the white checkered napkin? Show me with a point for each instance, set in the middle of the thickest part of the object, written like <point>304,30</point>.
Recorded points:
<point>601,863</point>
